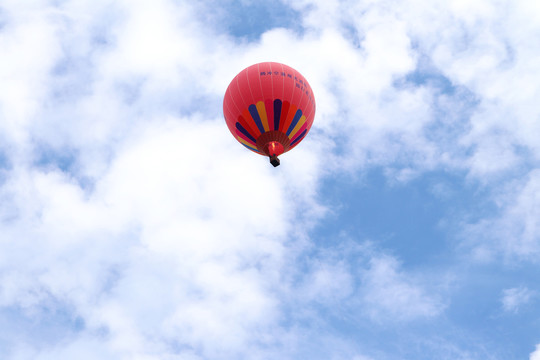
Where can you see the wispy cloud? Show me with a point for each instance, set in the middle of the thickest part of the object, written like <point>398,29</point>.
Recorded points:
<point>389,293</point>
<point>513,232</point>
<point>514,298</point>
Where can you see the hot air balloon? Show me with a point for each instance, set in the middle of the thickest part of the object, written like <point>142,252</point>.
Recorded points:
<point>269,108</point>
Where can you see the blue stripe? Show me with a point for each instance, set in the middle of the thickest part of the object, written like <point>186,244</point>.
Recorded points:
<point>297,117</point>
<point>277,113</point>
<point>255,115</point>
<point>244,131</point>
<point>300,137</point>
<point>250,148</point>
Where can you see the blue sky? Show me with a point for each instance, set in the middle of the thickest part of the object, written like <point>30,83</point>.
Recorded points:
<point>134,226</point>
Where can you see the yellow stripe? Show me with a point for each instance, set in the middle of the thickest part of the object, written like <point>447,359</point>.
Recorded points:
<point>245,142</point>
<point>262,113</point>
<point>298,126</point>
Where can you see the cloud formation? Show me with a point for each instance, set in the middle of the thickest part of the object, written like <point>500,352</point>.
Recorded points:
<point>536,354</point>
<point>514,298</point>
<point>134,227</point>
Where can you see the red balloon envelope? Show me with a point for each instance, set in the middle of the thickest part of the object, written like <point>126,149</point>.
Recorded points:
<point>269,108</point>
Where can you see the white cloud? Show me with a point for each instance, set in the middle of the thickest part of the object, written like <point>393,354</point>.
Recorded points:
<point>160,249</point>
<point>536,354</point>
<point>480,46</point>
<point>514,298</point>
<point>328,283</point>
<point>30,48</point>
<point>391,294</point>
<point>513,232</point>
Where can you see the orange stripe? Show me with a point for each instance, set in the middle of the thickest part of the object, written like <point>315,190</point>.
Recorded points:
<point>246,126</point>
<point>249,120</point>
<point>262,114</point>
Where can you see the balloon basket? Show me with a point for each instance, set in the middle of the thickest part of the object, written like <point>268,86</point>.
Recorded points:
<point>274,160</point>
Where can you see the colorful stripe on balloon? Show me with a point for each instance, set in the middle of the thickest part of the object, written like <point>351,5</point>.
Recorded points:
<point>270,116</point>
<point>243,131</point>
<point>295,141</point>
<point>251,148</point>
<point>277,113</point>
